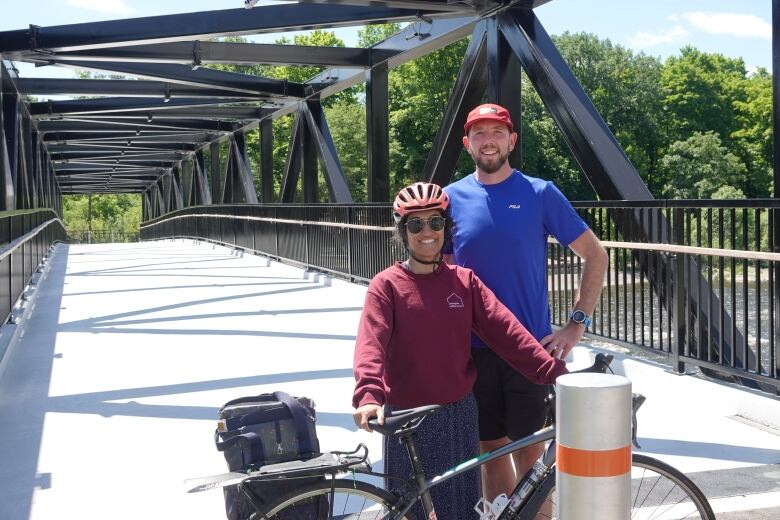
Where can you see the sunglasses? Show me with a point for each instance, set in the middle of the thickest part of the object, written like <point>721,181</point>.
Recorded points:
<point>416,224</point>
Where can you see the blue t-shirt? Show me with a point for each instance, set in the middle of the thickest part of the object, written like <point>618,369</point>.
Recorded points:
<point>501,234</point>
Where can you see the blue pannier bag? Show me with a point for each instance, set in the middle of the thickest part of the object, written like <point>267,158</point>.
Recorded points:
<point>268,429</point>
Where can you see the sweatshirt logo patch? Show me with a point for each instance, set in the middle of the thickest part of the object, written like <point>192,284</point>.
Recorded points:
<point>454,301</point>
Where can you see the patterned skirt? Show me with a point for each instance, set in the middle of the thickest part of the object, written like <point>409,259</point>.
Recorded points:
<point>443,440</point>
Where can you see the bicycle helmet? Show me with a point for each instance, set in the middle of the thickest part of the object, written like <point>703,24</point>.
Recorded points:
<point>419,196</point>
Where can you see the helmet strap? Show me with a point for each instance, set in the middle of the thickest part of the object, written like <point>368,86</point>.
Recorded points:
<point>426,262</point>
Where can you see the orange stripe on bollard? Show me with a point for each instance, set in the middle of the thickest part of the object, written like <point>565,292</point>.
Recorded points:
<point>593,463</point>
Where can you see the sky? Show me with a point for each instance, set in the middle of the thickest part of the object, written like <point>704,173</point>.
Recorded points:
<point>658,27</point>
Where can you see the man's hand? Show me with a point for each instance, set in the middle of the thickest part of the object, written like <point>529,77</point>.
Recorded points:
<point>367,412</point>
<point>560,342</point>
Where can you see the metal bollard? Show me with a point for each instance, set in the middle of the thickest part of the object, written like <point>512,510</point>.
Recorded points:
<point>593,436</point>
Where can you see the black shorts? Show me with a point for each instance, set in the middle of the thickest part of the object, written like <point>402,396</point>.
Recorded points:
<point>509,405</point>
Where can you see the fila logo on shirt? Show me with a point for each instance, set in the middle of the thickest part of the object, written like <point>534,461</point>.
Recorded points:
<point>454,301</point>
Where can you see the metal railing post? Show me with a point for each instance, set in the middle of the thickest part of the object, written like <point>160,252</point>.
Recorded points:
<point>679,295</point>
<point>593,450</point>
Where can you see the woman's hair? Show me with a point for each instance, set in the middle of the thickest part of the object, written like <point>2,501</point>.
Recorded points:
<point>399,233</point>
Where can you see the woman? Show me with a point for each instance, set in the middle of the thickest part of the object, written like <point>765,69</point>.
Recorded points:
<point>413,348</point>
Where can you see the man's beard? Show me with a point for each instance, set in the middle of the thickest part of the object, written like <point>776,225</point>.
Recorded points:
<point>491,165</point>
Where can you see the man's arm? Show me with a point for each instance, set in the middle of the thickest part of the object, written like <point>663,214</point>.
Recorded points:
<point>587,247</point>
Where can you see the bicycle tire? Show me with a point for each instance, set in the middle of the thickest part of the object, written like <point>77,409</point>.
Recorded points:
<point>659,492</point>
<point>351,500</point>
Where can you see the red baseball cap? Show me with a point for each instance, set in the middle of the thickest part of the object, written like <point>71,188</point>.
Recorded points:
<point>489,112</point>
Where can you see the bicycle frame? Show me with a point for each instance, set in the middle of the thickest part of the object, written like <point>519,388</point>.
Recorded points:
<point>423,495</point>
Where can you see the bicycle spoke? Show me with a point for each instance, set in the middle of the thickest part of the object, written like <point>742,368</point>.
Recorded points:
<point>346,502</point>
<point>659,492</point>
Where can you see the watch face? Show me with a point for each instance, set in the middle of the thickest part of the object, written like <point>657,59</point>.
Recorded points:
<point>578,316</point>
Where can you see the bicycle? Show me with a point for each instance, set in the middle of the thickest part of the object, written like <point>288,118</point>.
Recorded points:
<point>659,491</point>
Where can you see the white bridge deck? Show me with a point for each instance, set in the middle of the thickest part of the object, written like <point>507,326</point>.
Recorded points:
<point>112,379</point>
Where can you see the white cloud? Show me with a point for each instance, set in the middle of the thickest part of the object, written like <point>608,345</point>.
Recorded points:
<point>733,24</point>
<point>644,40</point>
<point>117,7</point>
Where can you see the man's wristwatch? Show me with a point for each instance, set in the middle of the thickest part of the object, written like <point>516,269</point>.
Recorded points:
<point>578,316</point>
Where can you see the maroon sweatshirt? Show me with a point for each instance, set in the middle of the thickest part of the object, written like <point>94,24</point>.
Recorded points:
<point>413,345</point>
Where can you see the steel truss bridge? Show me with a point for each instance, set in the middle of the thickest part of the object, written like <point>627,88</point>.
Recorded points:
<point>150,136</point>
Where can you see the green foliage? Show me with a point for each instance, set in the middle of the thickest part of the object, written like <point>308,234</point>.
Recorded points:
<point>370,35</point>
<point>700,91</point>
<point>348,128</point>
<point>418,95</point>
<point>105,213</point>
<point>700,166</point>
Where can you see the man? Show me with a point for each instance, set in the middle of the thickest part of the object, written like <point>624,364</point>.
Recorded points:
<point>502,220</point>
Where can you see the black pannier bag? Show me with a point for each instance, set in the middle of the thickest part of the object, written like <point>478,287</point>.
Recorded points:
<point>268,429</point>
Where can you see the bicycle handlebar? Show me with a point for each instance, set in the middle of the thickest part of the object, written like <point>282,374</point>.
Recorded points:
<point>600,364</point>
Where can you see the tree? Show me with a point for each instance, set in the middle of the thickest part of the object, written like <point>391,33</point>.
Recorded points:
<point>700,91</point>
<point>104,212</point>
<point>753,137</point>
<point>418,95</point>
<point>624,89</point>
<point>701,166</point>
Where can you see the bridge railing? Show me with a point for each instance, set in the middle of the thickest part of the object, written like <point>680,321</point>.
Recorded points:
<point>26,236</point>
<point>675,265</point>
<point>688,278</point>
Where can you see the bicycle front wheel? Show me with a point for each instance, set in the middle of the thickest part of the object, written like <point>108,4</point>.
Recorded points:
<point>339,499</point>
<point>658,492</point>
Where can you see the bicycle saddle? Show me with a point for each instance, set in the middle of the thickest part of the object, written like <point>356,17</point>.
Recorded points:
<point>402,421</point>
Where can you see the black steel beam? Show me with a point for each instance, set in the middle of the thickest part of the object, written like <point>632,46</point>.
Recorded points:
<point>466,94</point>
<point>598,153</point>
<point>194,137</point>
<point>214,172</point>
<point>107,165</point>
<point>101,156</point>
<point>504,81</point>
<point>201,77</point>
<point>199,25</point>
<point>266,160</point>
<point>108,146</point>
<point>11,142</point>
<point>243,169</point>
<point>113,125</point>
<point>71,177</point>
<point>97,105</point>
<point>377,134</point>
<point>292,166</point>
<point>24,172</point>
<point>202,191</point>
<point>196,53</point>
<point>228,175</point>
<point>120,87</point>
<point>309,166</point>
<point>335,179</point>
<point>434,5</point>
<point>6,173</point>
<point>412,42</point>
<point>218,113</point>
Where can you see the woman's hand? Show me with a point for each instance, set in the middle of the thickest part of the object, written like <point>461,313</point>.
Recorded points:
<point>367,412</point>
